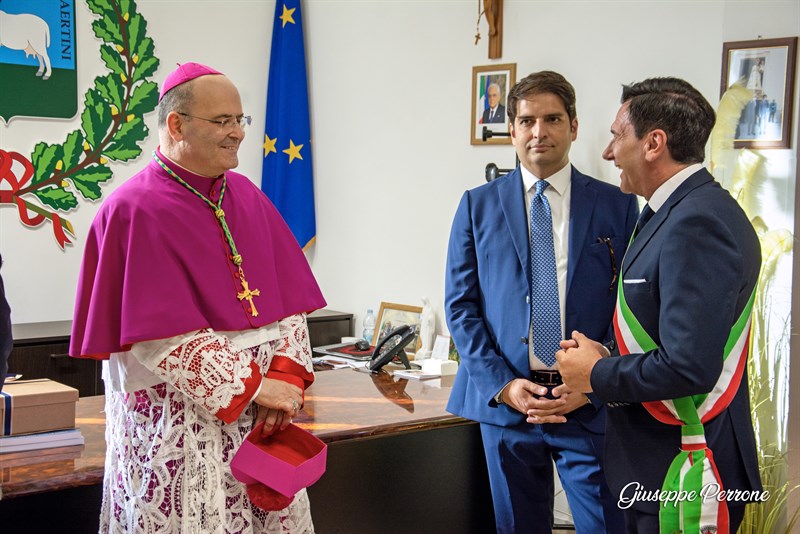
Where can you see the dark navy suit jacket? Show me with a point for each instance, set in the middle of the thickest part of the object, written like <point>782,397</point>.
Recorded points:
<point>499,115</point>
<point>488,283</point>
<point>5,331</point>
<point>687,277</point>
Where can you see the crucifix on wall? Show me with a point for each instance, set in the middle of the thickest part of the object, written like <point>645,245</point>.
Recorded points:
<point>493,9</point>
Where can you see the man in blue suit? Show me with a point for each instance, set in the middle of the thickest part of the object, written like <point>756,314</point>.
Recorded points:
<point>500,295</point>
<point>688,280</point>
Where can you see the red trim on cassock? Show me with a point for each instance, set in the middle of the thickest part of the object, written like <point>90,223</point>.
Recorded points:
<point>101,355</point>
<point>240,402</point>
<point>284,369</point>
<point>286,377</point>
<point>285,365</point>
<point>291,379</point>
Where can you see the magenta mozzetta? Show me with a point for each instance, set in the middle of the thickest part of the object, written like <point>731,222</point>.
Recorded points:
<point>138,292</point>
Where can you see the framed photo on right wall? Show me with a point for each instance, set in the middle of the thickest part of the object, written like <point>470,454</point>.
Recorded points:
<point>767,68</point>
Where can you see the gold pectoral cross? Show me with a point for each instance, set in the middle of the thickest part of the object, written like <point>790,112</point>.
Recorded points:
<point>248,294</point>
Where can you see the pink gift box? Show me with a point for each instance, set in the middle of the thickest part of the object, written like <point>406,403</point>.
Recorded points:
<point>286,461</point>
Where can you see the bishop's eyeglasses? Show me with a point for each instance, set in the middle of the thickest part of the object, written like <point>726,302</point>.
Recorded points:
<point>226,123</point>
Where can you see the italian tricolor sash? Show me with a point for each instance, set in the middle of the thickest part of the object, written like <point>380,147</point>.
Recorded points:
<point>693,468</point>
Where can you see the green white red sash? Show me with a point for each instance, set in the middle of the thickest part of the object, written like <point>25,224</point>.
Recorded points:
<point>693,469</point>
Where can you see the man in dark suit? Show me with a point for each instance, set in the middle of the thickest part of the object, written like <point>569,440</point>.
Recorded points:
<point>496,112</point>
<point>688,279</point>
<point>499,302</point>
<point>5,331</point>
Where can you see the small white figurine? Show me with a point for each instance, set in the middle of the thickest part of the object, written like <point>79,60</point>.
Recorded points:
<point>427,328</point>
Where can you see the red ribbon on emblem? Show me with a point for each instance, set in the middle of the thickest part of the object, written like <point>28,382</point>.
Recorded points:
<point>7,196</point>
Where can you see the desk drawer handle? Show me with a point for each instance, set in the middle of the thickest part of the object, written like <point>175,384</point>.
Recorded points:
<point>57,356</point>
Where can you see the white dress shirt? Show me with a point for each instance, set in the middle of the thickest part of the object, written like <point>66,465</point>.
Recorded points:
<point>660,195</point>
<point>558,195</point>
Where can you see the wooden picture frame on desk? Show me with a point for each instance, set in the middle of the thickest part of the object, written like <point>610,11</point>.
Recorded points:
<point>391,315</point>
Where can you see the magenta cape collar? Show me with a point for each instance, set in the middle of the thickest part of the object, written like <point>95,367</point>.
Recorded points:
<point>156,263</point>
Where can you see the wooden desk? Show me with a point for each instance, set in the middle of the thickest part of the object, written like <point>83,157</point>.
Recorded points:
<point>41,349</point>
<point>397,462</point>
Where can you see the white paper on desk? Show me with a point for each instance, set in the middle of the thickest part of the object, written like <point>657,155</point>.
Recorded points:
<point>435,383</point>
<point>441,348</point>
<point>41,440</point>
<point>416,374</point>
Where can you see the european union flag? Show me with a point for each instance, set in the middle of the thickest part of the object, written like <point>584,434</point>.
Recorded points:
<point>286,175</point>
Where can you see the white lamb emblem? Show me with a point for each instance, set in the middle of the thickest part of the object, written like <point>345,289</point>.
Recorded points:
<point>28,33</point>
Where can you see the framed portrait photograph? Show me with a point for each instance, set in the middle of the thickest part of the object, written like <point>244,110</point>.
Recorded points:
<point>391,316</point>
<point>767,68</point>
<point>490,86</point>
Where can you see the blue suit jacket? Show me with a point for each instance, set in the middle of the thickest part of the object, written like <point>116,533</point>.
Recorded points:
<point>689,275</point>
<point>488,284</point>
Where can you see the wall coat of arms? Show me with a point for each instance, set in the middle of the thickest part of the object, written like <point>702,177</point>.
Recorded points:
<point>38,78</point>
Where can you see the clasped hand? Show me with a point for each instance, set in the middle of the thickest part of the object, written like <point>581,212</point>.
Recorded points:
<point>528,398</point>
<point>576,359</point>
<point>278,402</point>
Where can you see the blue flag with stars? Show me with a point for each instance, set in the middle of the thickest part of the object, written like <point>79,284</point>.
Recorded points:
<point>286,175</point>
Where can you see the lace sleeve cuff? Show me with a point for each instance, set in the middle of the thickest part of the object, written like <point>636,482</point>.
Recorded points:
<point>213,372</point>
<point>240,402</point>
<point>293,350</point>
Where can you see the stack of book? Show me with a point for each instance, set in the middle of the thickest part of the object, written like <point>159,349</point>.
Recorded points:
<point>41,440</point>
<point>37,414</point>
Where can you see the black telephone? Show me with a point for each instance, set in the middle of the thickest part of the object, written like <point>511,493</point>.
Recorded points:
<point>392,346</point>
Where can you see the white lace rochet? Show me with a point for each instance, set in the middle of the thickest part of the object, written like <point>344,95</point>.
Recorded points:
<point>168,459</point>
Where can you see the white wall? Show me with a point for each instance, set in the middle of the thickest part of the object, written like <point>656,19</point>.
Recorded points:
<point>390,102</point>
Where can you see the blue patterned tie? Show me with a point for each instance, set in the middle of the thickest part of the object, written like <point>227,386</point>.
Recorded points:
<point>545,309</point>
